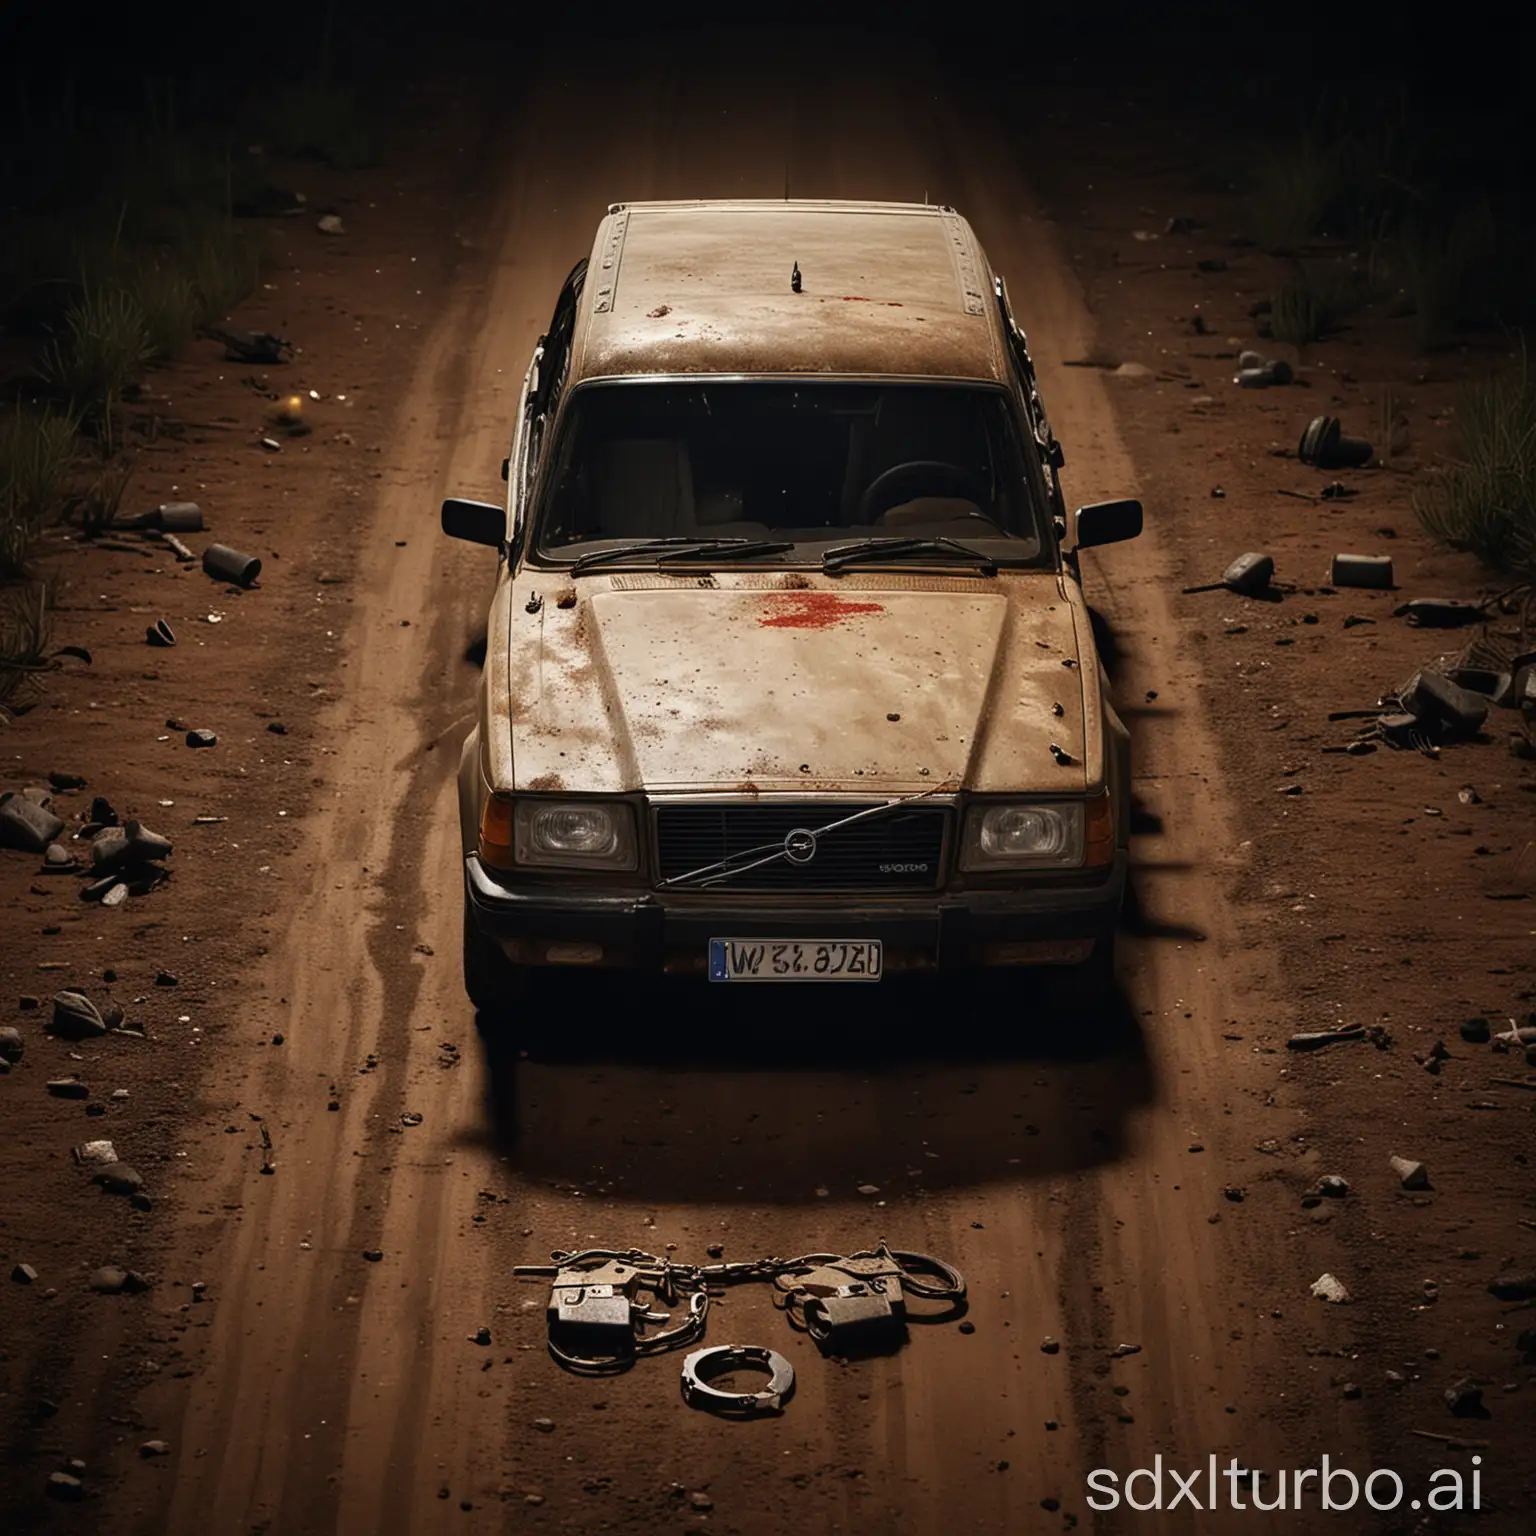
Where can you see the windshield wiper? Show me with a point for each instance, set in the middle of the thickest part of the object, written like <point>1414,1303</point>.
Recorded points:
<point>897,549</point>
<point>682,545</point>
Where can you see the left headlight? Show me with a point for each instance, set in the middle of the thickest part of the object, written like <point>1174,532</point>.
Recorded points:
<point>1023,836</point>
<point>581,834</point>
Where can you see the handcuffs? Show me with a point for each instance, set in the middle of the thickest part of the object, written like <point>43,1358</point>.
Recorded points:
<point>703,1365</point>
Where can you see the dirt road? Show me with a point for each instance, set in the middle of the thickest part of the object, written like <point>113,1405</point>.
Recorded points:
<point>1088,1182</point>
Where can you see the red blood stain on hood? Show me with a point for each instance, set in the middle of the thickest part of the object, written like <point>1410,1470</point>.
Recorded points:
<point>811,610</point>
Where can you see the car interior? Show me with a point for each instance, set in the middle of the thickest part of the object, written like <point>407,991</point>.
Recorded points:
<point>643,461</point>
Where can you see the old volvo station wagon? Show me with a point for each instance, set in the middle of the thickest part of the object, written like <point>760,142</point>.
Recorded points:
<point>789,675</point>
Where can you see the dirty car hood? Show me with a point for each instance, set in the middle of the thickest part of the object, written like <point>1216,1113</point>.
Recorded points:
<point>742,683</point>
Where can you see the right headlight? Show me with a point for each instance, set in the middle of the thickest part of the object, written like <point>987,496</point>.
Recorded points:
<point>1024,835</point>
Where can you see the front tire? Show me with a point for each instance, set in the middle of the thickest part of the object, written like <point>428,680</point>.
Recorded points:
<point>495,985</point>
<point>1089,986</point>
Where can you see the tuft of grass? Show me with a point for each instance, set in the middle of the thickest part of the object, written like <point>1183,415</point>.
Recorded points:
<point>37,448</point>
<point>221,262</point>
<point>1485,502</point>
<point>321,121</point>
<point>99,494</point>
<point>1290,190</point>
<point>1448,274</point>
<point>170,303</point>
<point>24,632</point>
<point>1315,302</point>
<point>103,346</point>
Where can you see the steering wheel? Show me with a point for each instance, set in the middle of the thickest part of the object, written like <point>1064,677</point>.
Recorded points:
<point>932,476</point>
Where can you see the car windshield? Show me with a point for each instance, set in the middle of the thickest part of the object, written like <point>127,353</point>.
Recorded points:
<point>811,463</point>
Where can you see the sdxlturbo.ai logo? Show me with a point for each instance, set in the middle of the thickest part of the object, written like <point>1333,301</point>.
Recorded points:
<point>1161,1487</point>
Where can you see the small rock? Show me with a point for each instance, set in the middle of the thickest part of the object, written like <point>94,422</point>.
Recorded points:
<point>716,1250</point>
<point>120,1179</point>
<point>109,1281</point>
<point>69,1088</point>
<point>1410,1175</point>
<point>1464,1398</point>
<point>141,1202</point>
<point>277,727</point>
<point>57,857</point>
<point>544,1426</point>
<point>28,1004</point>
<point>701,1501</point>
<point>1049,1346</point>
<point>11,1044</point>
<point>23,1274</point>
<point>167,979</point>
<point>1331,1288</point>
<point>330,224</point>
<point>65,1486</point>
<point>1350,1391</point>
<point>1120,1351</point>
<point>1233,1193</point>
<point>373,1255</point>
<point>202,738</point>
<point>155,1448</point>
<point>967,1327</point>
<point>26,825</point>
<point>480,1336</point>
<point>76,1017</point>
<point>869,1189</point>
<point>66,781</point>
<point>1513,1287</point>
<point>1332,1185</point>
<point>1475,1031</point>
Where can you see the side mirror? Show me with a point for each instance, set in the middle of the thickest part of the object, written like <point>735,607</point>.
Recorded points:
<point>476,522</point>
<point>1107,522</point>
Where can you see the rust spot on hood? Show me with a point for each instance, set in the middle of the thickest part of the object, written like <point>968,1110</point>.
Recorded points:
<point>546,781</point>
<point>811,610</point>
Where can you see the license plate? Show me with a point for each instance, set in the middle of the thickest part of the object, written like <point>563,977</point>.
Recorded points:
<point>794,959</point>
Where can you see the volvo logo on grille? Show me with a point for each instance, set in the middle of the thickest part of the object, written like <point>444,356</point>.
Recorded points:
<point>903,869</point>
<point>800,846</point>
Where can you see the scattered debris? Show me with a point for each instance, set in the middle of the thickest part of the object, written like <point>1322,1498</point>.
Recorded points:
<point>1255,371</point>
<point>160,633</point>
<point>1333,1185</point>
<point>1248,576</point>
<point>76,1017</point>
<point>202,738</point>
<point>1324,446</point>
<point>1374,571</point>
<point>1410,1174</point>
<point>1441,612</point>
<point>23,1274</point>
<point>1513,1287</point>
<point>250,346</point>
<point>25,824</point>
<point>1312,1040</point>
<point>1331,1288</point>
<point>69,1088</point>
<point>226,564</point>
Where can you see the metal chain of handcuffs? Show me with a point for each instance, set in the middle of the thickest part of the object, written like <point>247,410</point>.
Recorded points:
<point>603,1305</point>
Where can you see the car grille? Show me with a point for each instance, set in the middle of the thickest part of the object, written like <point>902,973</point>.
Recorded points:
<point>898,850</point>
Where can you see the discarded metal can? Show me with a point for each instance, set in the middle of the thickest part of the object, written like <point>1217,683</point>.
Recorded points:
<point>160,633</point>
<point>178,517</point>
<point>1324,446</point>
<point>226,564</point>
<point>1361,571</point>
<point>1261,372</point>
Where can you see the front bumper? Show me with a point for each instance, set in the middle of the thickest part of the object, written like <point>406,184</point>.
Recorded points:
<point>658,931</point>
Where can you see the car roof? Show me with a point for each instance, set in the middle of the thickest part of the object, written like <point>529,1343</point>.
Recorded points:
<point>705,287</point>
